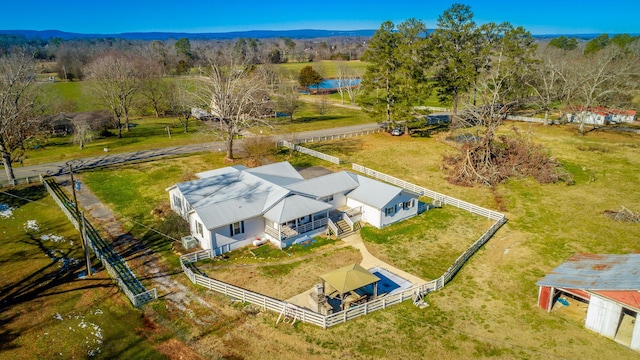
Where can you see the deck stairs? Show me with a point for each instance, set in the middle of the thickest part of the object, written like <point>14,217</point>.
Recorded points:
<point>345,230</point>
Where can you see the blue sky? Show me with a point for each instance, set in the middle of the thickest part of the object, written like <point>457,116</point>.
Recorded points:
<point>117,16</point>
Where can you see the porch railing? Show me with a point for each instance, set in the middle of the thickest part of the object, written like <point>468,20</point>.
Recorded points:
<point>289,232</point>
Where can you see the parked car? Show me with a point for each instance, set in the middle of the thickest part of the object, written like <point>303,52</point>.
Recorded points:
<point>397,131</point>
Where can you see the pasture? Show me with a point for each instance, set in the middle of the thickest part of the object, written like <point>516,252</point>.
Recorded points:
<point>495,293</point>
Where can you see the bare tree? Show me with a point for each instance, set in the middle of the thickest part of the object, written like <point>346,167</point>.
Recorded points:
<point>116,79</point>
<point>288,99</point>
<point>549,79</point>
<point>236,96</point>
<point>179,102</point>
<point>85,125</point>
<point>152,87</point>
<point>601,78</point>
<point>18,118</point>
<point>322,105</point>
<point>348,82</point>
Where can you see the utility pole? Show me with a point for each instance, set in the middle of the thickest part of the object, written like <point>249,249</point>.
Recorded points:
<point>85,244</point>
<point>81,224</point>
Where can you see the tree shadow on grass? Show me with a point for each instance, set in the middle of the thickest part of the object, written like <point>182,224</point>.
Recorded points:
<point>428,130</point>
<point>46,281</point>
<point>20,196</point>
<point>62,269</point>
<point>306,119</point>
<point>341,146</point>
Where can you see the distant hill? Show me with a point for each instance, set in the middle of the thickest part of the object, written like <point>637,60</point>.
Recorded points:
<point>256,34</point>
<point>259,34</point>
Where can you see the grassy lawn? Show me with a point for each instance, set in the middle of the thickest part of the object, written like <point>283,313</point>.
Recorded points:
<point>327,68</point>
<point>428,244</point>
<point>148,133</point>
<point>307,118</point>
<point>46,311</point>
<point>494,293</point>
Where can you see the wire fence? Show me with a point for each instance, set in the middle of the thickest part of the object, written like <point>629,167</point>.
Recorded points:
<point>110,260</point>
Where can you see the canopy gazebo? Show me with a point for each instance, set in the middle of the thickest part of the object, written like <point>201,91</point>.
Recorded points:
<point>348,279</point>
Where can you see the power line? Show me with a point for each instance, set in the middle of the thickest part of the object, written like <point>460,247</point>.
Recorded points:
<point>26,199</point>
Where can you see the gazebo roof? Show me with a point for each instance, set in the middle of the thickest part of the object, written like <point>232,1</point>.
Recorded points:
<point>349,278</point>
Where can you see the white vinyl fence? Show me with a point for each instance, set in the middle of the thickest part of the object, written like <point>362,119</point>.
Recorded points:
<point>310,152</point>
<point>526,119</point>
<point>444,199</point>
<point>26,180</point>
<point>326,321</point>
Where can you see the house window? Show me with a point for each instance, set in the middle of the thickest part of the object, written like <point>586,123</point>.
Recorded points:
<point>390,211</point>
<point>199,229</point>
<point>407,205</point>
<point>327,198</point>
<point>237,228</point>
<point>304,219</point>
<point>177,203</point>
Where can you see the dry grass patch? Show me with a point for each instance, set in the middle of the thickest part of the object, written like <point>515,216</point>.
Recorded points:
<point>282,281</point>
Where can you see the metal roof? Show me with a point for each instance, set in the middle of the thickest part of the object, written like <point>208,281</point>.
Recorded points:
<point>349,278</point>
<point>231,211</point>
<point>340,182</point>
<point>197,190</point>
<point>596,272</point>
<point>294,207</point>
<point>281,173</point>
<point>372,192</point>
<point>224,170</point>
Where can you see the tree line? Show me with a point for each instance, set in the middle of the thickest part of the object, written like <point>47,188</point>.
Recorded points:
<point>482,71</point>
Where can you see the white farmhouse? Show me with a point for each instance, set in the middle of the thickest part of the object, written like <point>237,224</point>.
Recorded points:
<point>598,115</point>
<point>231,207</point>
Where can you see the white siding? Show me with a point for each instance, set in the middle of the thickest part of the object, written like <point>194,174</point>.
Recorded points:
<point>399,212</point>
<point>224,242</point>
<point>205,238</point>
<point>178,204</point>
<point>635,338</point>
<point>603,316</point>
<point>370,214</point>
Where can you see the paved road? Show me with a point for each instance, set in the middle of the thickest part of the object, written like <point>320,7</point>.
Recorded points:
<point>62,167</point>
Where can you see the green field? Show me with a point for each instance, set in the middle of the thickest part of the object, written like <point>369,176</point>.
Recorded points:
<point>472,317</point>
<point>327,68</point>
<point>495,292</point>
<point>46,310</point>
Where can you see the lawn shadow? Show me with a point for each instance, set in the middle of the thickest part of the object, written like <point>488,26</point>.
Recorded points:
<point>428,130</point>
<point>62,268</point>
<point>20,196</point>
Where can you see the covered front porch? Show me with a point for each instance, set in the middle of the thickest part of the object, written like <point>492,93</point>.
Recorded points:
<point>291,230</point>
<point>295,217</point>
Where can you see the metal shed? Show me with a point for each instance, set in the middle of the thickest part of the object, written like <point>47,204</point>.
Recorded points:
<point>608,283</point>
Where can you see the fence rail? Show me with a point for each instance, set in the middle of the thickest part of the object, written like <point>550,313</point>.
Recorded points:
<point>326,321</point>
<point>310,152</point>
<point>111,261</point>
<point>338,136</point>
<point>525,119</point>
<point>26,180</point>
<point>493,215</point>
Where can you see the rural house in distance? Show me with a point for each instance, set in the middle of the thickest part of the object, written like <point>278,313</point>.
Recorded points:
<point>598,115</point>
<point>234,206</point>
